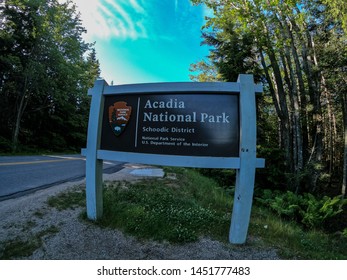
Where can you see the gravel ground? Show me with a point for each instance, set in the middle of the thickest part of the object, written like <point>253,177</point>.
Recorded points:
<point>64,236</point>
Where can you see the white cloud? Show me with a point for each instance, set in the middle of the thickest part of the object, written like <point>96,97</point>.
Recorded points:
<point>134,19</point>
<point>137,6</point>
<point>107,19</point>
<point>123,23</point>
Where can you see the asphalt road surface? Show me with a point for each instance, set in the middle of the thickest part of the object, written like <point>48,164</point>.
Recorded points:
<point>20,175</point>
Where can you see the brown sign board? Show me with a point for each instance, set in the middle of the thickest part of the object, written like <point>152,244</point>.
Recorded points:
<point>188,124</point>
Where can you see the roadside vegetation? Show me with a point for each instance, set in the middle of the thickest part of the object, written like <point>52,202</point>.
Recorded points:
<point>178,210</point>
<point>193,205</point>
<point>16,247</point>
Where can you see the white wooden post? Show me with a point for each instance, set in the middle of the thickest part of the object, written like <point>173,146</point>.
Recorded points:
<point>246,174</point>
<point>94,188</point>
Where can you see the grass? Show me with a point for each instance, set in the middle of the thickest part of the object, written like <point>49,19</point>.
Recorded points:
<point>17,248</point>
<point>176,211</point>
<point>294,242</point>
<point>193,205</point>
<point>68,200</point>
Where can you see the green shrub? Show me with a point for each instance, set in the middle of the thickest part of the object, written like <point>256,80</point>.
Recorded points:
<point>5,145</point>
<point>310,211</point>
<point>284,204</point>
<point>317,211</point>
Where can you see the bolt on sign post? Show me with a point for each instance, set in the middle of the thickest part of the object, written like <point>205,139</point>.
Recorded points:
<point>204,125</point>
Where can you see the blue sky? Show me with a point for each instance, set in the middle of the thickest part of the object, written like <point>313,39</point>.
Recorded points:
<point>141,41</point>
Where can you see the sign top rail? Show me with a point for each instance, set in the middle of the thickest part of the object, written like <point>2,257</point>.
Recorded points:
<point>201,87</point>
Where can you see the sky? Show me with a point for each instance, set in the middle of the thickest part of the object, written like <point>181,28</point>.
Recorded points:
<point>144,41</point>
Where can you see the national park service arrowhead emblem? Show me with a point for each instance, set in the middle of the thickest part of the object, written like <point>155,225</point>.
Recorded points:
<point>119,116</point>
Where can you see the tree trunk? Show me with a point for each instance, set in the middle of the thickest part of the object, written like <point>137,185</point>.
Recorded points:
<point>331,132</point>
<point>16,129</point>
<point>307,117</point>
<point>279,99</point>
<point>317,149</point>
<point>19,114</point>
<point>297,90</point>
<point>344,112</point>
<point>295,124</point>
<point>344,176</point>
<point>282,128</point>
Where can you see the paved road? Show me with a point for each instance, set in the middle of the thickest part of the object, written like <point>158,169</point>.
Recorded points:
<point>23,174</point>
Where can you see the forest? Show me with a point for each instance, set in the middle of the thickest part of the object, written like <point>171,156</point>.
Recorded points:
<point>46,69</point>
<point>296,49</point>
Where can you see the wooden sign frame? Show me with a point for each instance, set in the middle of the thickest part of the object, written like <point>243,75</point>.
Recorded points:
<point>245,164</point>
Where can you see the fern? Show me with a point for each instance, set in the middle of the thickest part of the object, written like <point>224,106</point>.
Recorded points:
<point>309,210</point>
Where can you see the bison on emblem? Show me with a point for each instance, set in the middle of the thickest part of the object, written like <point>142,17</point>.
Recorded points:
<point>119,115</point>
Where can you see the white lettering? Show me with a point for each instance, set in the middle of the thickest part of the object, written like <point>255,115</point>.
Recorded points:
<point>166,117</point>
<point>214,118</point>
<point>171,104</point>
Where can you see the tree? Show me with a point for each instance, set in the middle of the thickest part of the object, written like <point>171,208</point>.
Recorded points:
<point>288,41</point>
<point>338,10</point>
<point>45,69</point>
<point>205,72</point>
